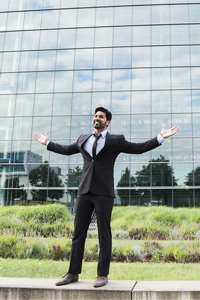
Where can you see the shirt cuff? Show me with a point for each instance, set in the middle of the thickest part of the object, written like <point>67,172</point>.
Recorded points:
<point>160,138</point>
<point>47,143</point>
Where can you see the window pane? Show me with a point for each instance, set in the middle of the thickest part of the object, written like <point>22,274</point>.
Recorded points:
<point>7,105</point>
<point>69,3</point>
<point>62,104</point>
<point>12,41</point>
<point>160,79</point>
<point>63,81</point>
<point>6,127</point>
<point>140,102</point>
<point>101,80</point>
<point>196,124</point>
<point>179,13</point>
<point>24,105</point>
<point>195,77</point>
<point>160,14</point>
<point>2,36</point>
<point>196,148</point>
<point>32,19</point>
<point>10,62</point>
<point>4,5</point>
<point>82,81</point>
<point>28,61</point>
<point>103,99</point>
<point>140,126</point>
<point>180,56</point>
<point>85,38</point>
<point>102,58</point>
<point>68,18</point>
<point>196,101</point>
<point>181,101</point>
<point>65,59</point>
<point>86,17</point>
<point>179,34</point>
<point>186,152</point>
<point>46,42</point>
<point>46,60</point>
<point>26,82</point>
<point>8,83</point>
<point>66,38</point>
<point>194,34</point>
<point>84,59</point>
<point>103,37</point>
<point>180,78</point>
<point>141,36</point>
<point>121,124</point>
<point>160,56</point>
<point>20,123</point>
<point>50,18</point>
<point>157,122</point>
<point>30,40</point>
<point>81,103</point>
<point>122,58</point>
<point>141,79</point>
<point>123,16</point>
<point>15,21</point>
<point>122,36</point>
<point>43,105</point>
<point>80,126</point>
<point>104,16</point>
<point>3,20</point>
<point>41,124</point>
<point>184,122</point>
<point>140,57</point>
<point>195,55</point>
<point>161,106</point>
<point>180,172</point>
<point>120,102</point>
<point>141,15</point>
<point>60,127</point>
<point>121,80</point>
<point>160,35</point>
<point>194,13</point>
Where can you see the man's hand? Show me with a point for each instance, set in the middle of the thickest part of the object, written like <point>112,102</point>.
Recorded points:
<point>41,138</point>
<point>169,132</point>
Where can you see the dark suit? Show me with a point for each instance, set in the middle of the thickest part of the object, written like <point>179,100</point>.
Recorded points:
<point>96,190</point>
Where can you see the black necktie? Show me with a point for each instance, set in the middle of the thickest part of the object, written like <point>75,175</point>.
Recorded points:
<point>94,147</point>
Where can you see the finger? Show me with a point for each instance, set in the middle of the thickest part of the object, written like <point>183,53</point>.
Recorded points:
<point>164,127</point>
<point>46,133</point>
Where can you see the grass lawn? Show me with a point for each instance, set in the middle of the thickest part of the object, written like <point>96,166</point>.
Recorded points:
<point>31,268</point>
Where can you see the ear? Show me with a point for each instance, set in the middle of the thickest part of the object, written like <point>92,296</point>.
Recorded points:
<point>108,122</point>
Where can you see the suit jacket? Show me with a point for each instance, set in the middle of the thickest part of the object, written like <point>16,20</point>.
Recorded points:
<point>97,176</point>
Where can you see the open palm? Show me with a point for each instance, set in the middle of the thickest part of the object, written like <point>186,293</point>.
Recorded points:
<point>169,132</point>
<point>41,138</point>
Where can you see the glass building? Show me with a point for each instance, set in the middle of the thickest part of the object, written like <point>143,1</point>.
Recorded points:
<point>60,59</point>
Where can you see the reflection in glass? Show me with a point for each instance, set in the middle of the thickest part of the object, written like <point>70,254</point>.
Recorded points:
<point>181,101</point>
<point>161,79</point>
<point>140,102</point>
<point>160,14</point>
<point>122,16</point>
<point>63,81</point>
<point>62,104</point>
<point>30,40</point>
<point>141,57</point>
<point>122,36</point>
<point>160,35</point>
<point>26,82</point>
<point>80,126</point>
<point>32,19</point>
<point>46,42</point>
<point>7,105</point>
<point>24,105</point>
<point>140,126</point>
<point>43,104</point>
<point>157,122</point>
<point>194,13</point>
<point>41,124</point>
<point>121,102</point>
<point>8,83</point>
<point>84,59</point>
<point>181,171</point>
<point>15,21</point>
<point>194,34</point>
<point>4,5</point>
<point>50,18</point>
<point>179,34</point>
<point>184,122</point>
<point>196,148</point>
<point>180,56</point>
<point>28,61</point>
<point>104,16</point>
<point>121,80</point>
<point>60,127</point>
<point>81,103</point>
<point>6,127</point>
<point>179,13</point>
<point>185,144</point>
<point>20,123</point>
<point>180,78</point>
<point>183,198</point>
<point>103,37</point>
<point>102,58</point>
<point>122,58</point>
<point>46,60</point>
<point>101,99</point>
<point>196,124</point>
<point>45,82</point>
<point>160,56</point>
<point>196,101</point>
<point>141,15</point>
<point>141,35</point>
<point>101,80</point>
<point>65,59</point>
<point>161,101</point>
<point>195,55</point>
<point>68,18</point>
<point>195,77</point>
<point>82,81</point>
<point>86,17</point>
<point>68,3</point>
<point>2,36</point>
<point>121,125</point>
<point>3,21</point>
<point>141,79</point>
<point>12,41</point>
<point>85,38</point>
<point>66,38</point>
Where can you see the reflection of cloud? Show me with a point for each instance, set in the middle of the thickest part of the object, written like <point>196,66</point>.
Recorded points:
<point>102,80</point>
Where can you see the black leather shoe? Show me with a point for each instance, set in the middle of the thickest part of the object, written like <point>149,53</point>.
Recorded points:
<point>101,281</point>
<point>68,278</point>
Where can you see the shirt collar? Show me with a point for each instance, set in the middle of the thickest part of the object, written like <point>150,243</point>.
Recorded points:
<point>103,133</point>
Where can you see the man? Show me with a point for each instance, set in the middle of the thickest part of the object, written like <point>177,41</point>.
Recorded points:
<point>96,190</point>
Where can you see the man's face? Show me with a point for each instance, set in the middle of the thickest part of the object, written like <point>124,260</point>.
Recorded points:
<point>100,121</point>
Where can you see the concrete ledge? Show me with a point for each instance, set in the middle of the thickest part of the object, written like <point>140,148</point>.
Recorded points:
<point>45,289</point>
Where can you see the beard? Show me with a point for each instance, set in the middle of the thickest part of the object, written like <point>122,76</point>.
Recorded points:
<point>98,124</point>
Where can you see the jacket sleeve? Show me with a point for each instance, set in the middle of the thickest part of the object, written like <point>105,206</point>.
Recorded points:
<point>63,149</point>
<point>138,148</point>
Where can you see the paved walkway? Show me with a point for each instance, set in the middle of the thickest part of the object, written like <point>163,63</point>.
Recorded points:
<point>45,289</point>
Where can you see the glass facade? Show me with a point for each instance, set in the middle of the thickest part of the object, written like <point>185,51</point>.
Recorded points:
<point>60,59</point>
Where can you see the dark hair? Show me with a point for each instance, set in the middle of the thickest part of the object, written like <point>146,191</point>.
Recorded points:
<point>106,111</point>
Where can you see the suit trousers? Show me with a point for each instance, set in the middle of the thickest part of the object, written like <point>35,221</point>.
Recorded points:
<point>85,205</point>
